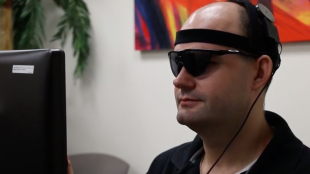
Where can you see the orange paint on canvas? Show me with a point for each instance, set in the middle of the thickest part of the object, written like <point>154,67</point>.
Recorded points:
<point>292,18</point>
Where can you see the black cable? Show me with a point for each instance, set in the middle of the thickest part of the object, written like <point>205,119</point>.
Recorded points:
<point>246,118</point>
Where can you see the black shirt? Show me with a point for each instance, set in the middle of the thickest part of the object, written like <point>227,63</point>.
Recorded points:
<point>285,154</point>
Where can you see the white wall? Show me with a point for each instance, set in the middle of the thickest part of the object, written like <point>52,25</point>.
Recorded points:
<point>124,105</point>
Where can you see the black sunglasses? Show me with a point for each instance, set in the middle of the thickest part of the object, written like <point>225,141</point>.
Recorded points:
<point>196,61</point>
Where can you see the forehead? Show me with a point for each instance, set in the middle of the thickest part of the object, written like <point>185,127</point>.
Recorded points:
<point>224,16</point>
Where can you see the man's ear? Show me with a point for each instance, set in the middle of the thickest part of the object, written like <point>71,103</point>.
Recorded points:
<point>263,66</point>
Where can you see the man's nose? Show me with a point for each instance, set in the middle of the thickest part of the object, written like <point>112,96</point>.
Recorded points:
<point>184,80</point>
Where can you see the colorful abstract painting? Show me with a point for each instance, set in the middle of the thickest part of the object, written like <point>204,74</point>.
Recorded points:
<point>157,21</point>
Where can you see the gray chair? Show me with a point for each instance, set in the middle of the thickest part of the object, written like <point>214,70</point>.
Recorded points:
<point>93,163</point>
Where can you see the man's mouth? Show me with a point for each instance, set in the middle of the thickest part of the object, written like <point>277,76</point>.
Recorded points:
<point>188,101</point>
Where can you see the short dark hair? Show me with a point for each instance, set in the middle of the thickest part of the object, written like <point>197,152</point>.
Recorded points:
<point>246,30</point>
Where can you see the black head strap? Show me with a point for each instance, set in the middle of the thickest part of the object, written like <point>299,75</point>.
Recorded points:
<point>213,36</point>
<point>255,33</point>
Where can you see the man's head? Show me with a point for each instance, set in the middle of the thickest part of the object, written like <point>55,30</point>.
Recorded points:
<point>222,95</point>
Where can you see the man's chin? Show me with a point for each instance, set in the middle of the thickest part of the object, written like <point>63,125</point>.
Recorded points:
<point>196,124</point>
<point>188,120</point>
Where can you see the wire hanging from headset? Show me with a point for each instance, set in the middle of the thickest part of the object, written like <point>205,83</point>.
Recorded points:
<point>275,67</point>
<point>239,130</point>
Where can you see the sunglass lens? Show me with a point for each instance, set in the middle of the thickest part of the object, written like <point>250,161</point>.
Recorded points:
<point>201,60</point>
<point>174,63</point>
<point>195,62</point>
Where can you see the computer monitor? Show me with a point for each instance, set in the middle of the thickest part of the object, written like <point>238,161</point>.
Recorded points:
<point>33,112</point>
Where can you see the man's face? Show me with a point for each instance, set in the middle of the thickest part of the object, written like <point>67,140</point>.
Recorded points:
<point>221,95</point>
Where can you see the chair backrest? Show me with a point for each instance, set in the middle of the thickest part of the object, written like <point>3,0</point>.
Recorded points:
<point>98,164</point>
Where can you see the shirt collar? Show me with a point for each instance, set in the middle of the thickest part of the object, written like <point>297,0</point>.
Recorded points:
<point>280,155</point>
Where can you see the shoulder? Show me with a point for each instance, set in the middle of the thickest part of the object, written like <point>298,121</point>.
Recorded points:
<point>162,162</point>
<point>303,165</point>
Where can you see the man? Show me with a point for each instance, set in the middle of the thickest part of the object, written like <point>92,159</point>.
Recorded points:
<point>215,101</point>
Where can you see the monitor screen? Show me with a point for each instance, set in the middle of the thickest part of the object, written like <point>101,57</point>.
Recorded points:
<point>33,112</point>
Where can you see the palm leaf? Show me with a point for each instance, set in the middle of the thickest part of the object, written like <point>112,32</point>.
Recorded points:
<point>28,24</point>
<point>75,19</point>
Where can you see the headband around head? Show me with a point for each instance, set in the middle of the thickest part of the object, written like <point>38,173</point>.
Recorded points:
<point>263,38</point>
